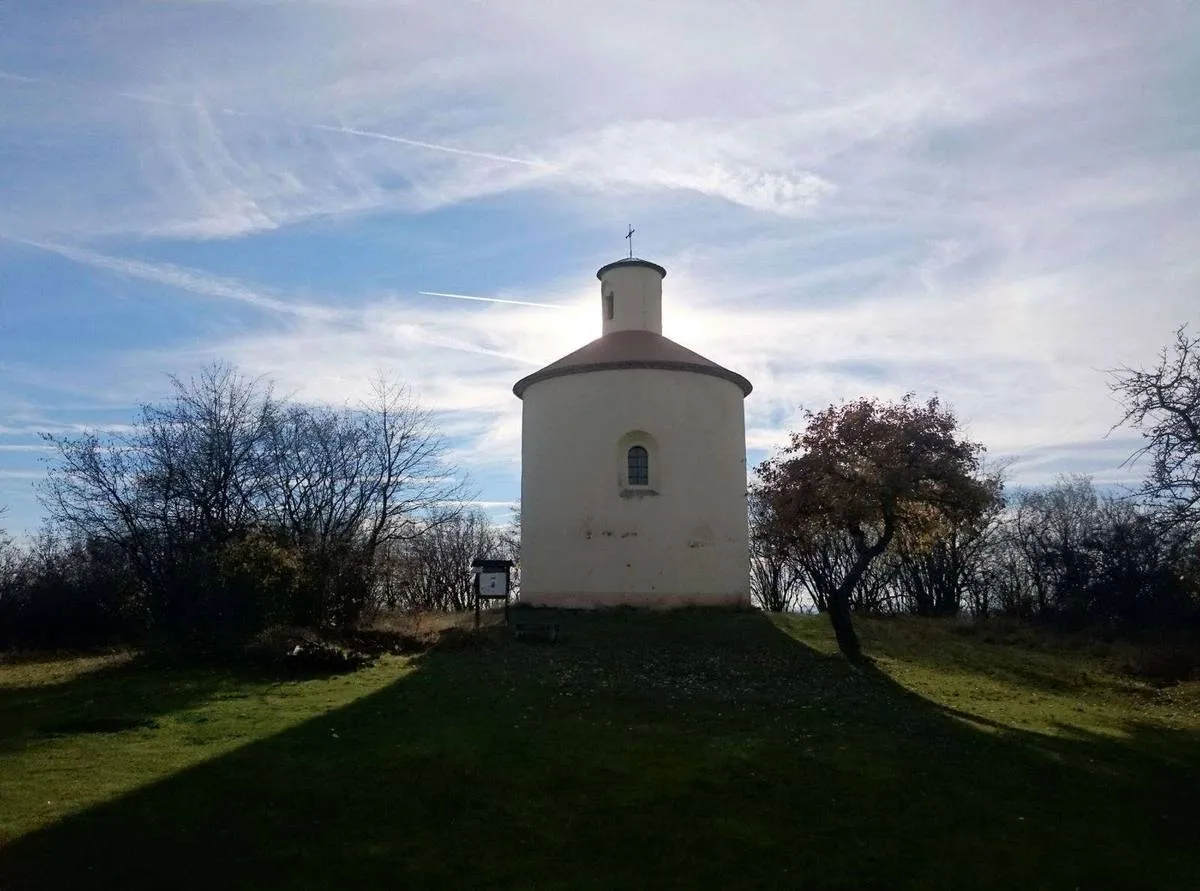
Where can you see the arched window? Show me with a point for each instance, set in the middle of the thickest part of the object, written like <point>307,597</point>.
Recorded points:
<point>639,466</point>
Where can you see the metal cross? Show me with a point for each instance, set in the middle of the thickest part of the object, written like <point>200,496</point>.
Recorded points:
<point>629,235</point>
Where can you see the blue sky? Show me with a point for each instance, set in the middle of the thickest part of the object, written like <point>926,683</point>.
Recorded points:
<point>991,202</point>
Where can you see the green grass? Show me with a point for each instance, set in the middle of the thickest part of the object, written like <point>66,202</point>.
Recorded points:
<point>698,749</point>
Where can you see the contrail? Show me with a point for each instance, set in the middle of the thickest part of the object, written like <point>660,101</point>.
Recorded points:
<point>179,277</point>
<point>328,128</point>
<point>4,75</point>
<point>493,300</point>
<point>387,137</point>
<point>214,286</point>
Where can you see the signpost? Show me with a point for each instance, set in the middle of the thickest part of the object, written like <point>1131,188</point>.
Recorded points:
<point>493,581</point>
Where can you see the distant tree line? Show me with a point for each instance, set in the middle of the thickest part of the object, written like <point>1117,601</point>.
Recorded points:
<point>1063,553</point>
<point>884,508</point>
<point>227,509</point>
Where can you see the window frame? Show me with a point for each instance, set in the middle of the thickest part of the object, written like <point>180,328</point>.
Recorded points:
<point>654,471</point>
<point>643,460</point>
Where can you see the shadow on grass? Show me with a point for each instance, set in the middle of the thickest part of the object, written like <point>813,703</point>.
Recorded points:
<point>1038,656</point>
<point>128,693</point>
<point>118,696</point>
<point>1035,660</point>
<point>681,750</point>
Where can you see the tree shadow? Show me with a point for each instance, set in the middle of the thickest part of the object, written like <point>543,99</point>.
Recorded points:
<point>684,750</point>
<point>1041,663</point>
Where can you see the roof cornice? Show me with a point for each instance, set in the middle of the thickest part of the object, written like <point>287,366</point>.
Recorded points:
<point>630,261</point>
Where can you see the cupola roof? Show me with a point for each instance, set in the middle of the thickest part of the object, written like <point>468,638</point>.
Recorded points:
<point>630,261</point>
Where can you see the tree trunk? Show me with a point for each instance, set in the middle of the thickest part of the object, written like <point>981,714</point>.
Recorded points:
<point>843,624</point>
<point>839,598</point>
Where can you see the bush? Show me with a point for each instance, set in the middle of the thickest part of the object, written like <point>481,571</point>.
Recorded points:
<point>259,581</point>
<point>1166,663</point>
<point>60,594</point>
<point>302,651</point>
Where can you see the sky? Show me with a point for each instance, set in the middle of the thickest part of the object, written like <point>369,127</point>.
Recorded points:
<point>992,202</point>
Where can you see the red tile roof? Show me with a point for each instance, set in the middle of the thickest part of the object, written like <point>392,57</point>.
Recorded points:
<point>631,349</point>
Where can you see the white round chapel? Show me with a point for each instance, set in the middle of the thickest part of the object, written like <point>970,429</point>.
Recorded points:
<point>633,465</point>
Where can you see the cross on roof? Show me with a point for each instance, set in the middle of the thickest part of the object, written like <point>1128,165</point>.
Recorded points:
<point>629,235</point>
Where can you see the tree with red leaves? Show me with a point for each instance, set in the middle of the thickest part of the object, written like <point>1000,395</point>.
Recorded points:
<point>873,471</point>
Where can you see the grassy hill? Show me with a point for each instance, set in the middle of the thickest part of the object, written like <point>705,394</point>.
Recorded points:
<point>697,749</point>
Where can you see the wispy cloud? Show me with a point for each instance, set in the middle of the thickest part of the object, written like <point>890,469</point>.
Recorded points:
<point>55,426</point>
<point>994,202</point>
<point>21,474</point>
<point>196,105</point>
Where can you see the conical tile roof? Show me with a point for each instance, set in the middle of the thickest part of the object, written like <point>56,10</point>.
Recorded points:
<point>631,349</point>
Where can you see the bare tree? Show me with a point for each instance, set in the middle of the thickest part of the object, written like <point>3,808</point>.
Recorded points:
<point>1164,403</point>
<point>774,580</point>
<point>508,547</point>
<point>408,476</point>
<point>8,558</point>
<point>224,470</point>
<point>1053,528</point>
<point>318,476</point>
<point>321,483</point>
<point>934,576</point>
<point>204,452</point>
<point>439,561</point>
<point>1078,558</point>
<point>187,481</point>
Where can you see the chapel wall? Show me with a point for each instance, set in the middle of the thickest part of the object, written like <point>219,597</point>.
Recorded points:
<point>587,538</point>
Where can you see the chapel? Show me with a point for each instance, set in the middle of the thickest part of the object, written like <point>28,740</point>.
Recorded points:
<point>633,465</point>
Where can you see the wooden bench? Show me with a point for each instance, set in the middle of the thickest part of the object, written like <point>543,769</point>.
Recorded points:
<point>546,631</point>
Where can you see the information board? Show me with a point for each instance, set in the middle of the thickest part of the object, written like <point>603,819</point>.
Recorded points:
<point>493,584</point>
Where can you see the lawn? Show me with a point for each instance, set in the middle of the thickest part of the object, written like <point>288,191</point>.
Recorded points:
<point>696,749</point>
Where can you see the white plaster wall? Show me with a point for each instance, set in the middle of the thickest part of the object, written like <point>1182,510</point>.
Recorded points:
<point>637,299</point>
<point>582,543</point>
